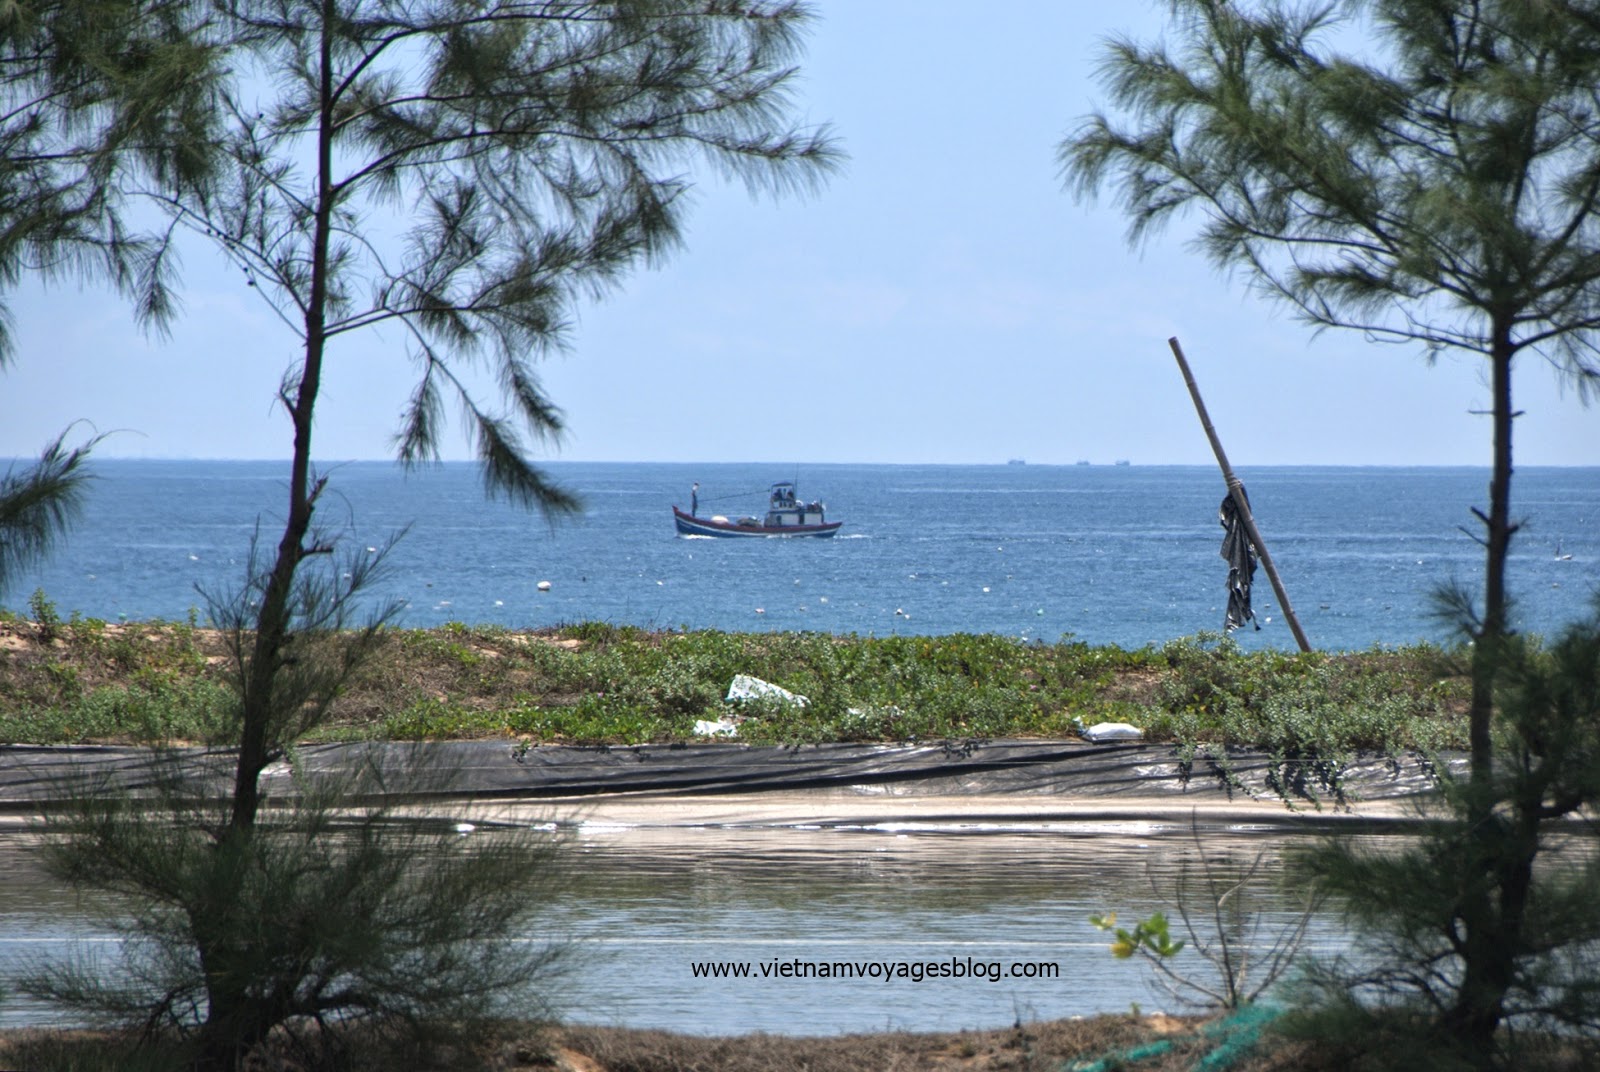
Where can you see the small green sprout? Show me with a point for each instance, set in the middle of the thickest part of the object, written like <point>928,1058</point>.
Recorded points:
<point>1150,935</point>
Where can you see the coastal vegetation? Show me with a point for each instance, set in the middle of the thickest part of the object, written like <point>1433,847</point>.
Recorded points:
<point>1436,187</point>
<point>87,680</point>
<point>464,177</point>
<point>1444,197</point>
<point>39,501</point>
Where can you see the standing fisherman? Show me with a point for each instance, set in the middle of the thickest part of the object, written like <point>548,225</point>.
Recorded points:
<point>694,499</point>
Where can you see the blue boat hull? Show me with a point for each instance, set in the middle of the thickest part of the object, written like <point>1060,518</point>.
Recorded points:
<point>689,525</point>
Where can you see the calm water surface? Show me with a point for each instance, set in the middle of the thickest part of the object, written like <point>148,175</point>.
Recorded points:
<point>644,906</point>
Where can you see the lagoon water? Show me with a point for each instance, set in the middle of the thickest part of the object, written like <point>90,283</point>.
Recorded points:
<point>1107,554</point>
<point>644,906</point>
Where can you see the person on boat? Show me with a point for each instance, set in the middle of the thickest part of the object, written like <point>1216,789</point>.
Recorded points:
<point>694,499</point>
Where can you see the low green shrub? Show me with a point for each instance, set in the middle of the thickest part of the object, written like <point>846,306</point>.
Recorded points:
<point>434,719</point>
<point>148,710</point>
<point>603,683</point>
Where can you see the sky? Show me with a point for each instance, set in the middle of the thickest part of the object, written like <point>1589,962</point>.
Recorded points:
<point>943,299</point>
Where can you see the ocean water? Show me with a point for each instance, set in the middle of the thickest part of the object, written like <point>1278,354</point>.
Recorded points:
<point>1107,554</point>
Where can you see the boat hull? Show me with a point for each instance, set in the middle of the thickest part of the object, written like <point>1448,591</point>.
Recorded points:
<point>689,525</point>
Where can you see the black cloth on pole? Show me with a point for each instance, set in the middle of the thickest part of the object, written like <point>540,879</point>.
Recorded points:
<point>1241,556</point>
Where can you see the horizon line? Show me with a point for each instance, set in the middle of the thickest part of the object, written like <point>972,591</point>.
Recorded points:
<point>1006,464</point>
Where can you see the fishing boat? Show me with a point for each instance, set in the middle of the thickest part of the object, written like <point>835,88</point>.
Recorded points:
<point>786,516</point>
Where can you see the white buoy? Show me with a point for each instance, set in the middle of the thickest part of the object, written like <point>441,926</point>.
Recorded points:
<point>543,586</point>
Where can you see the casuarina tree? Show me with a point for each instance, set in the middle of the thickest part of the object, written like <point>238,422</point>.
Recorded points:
<point>1436,186</point>
<point>460,173</point>
<point>87,89</point>
<point>1410,907</point>
<point>463,173</point>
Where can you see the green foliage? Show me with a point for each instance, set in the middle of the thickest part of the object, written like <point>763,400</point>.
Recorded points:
<point>627,685</point>
<point>44,616</point>
<point>598,717</point>
<point>91,94</point>
<point>38,501</point>
<point>431,720</point>
<point>285,679</point>
<point>1437,186</point>
<point>1151,935</point>
<point>150,709</point>
<point>542,153</point>
<point>601,634</point>
<point>1461,929</point>
<point>141,682</point>
<point>1212,895</point>
<point>326,913</point>
<point>447,642</point>
<point>1440,188</point>
<point>1313,712</point>
<point>240,925</point>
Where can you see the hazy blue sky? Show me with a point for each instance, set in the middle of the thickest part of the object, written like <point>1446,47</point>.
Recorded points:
<point>941,300</point>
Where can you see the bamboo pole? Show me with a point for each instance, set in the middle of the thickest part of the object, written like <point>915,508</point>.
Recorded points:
<point>1236,490</point>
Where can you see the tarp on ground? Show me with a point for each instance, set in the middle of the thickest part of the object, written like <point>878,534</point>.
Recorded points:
<point>30,775</point>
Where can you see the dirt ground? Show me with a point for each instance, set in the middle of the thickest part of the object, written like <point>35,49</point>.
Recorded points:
<point>1160,1043</point>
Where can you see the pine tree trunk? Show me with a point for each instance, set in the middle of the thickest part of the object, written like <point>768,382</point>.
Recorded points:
<point>1492,630</point>
<point>235,1024</point>
<point>272,623</point>
<point>1497,867</point>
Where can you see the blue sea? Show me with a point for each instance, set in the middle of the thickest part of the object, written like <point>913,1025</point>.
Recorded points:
<point>1124,555</point>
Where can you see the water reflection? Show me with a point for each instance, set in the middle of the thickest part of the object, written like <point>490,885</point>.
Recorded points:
<point>644,906</point>
<point>766,897</point>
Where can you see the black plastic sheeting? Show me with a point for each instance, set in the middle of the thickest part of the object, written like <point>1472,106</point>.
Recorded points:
<point>31,775</point>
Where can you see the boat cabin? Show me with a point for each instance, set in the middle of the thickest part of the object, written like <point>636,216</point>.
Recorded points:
<point>784,508</point>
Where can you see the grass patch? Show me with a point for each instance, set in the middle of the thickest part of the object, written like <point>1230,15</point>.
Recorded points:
<point>87,680</point>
